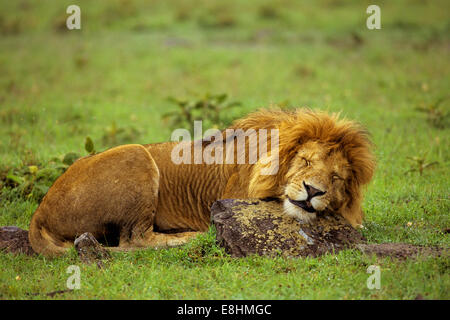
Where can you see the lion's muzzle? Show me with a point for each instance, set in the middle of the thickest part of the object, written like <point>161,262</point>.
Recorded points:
<point>312,192</point>
<point>305,205</point>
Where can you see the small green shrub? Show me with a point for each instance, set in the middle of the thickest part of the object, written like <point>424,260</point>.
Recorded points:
<point>210,108</point>
<point>419,164</point>
<point>32,181</point>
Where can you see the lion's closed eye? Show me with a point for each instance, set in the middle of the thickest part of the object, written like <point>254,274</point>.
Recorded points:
<point>306,162</point>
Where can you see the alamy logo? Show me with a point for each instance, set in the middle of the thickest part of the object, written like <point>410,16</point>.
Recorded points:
<point>74,20</point>
<point>73,282</point>
<point>374,20</point>
<point>228,147</point>
<point>374,281</point>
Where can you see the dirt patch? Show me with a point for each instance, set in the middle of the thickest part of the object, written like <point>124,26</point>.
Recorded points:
<point>401,250</point>
<point>15,240</point>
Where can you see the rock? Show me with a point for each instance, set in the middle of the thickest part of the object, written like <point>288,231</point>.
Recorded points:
<point>90,250</point>
<point>253,226</point>
<point>15,240</point>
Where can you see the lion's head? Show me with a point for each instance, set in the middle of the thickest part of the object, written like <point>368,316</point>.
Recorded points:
<point>316,181</point>
<point>324,163</point>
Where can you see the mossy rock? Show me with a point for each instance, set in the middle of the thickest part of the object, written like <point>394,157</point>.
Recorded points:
<point>252,226</point>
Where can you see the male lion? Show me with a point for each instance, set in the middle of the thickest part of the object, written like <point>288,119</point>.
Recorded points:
<point>135,196</point>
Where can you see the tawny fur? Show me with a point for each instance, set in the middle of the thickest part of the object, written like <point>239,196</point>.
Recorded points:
<point>139,195</point>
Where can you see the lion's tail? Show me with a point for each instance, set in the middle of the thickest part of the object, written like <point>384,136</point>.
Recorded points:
<point>42,241</point>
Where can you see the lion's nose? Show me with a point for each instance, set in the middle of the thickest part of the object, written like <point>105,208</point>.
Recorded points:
<point>313,192</point>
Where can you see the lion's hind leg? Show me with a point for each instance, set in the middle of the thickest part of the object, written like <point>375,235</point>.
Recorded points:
<point>106,194</point>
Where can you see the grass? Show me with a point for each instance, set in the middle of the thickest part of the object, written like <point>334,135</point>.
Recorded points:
<point>111,81</point>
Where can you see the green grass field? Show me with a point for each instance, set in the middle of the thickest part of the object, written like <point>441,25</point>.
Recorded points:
<point>111,81</point>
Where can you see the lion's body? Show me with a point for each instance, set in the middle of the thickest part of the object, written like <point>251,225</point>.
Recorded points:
<point>136,196</point>
<point>196,186</point>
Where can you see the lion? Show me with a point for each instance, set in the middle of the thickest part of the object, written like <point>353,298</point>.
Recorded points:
<point>135,196</point>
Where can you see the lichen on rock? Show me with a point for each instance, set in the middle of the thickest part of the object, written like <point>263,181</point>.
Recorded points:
<point>252,226</point>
